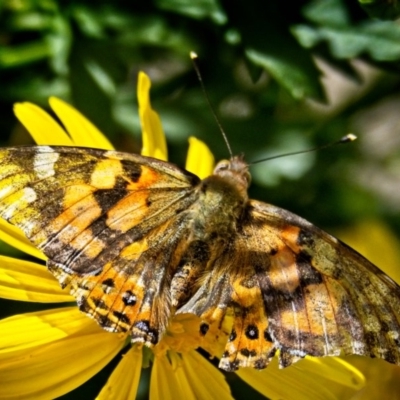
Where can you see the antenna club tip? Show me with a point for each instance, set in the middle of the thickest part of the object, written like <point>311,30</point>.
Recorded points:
<point>193,55</point>
<point>348,138</point>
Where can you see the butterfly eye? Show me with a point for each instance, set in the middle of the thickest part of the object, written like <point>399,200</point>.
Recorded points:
<point>222,166</point>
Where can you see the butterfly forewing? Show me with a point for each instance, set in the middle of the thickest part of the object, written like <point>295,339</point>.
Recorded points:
<point>109,223</point>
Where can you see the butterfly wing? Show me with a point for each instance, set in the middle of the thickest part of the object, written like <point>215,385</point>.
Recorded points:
<point>321,297</point>
<point>110,224</point>
<point>231,298</point>
<point>294,288</point>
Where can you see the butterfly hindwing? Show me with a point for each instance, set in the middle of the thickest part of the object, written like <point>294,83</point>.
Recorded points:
<point>232,291</point>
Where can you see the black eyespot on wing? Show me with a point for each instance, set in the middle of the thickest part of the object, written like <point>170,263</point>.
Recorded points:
<point>129,298</point>
<point>204,328</point>
<point>251,332</point>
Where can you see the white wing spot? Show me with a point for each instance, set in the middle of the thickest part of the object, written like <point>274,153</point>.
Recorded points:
<point>43,163</point>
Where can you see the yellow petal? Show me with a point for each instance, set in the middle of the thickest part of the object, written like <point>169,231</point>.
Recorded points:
<point>81,130</point>
<point>28,281</point>
<point>164,383</point>
<point>205,380</point>
<point>54,367</point>
<point>200,161</point>
<point>335,369</point>
<point>154,143</point>
<point>13,236</point>
<point>42,127</point>
<point>375,241</point>
<point>382,378</point>
<point>22,333</point>
<point>298,382</point>
<point>124,380</point>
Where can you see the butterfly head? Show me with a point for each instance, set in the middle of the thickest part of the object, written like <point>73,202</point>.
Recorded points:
<point>236,171</point>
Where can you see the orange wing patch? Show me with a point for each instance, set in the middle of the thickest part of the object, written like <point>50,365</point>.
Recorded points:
<point>129,211</point>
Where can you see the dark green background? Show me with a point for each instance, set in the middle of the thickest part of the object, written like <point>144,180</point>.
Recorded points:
<point>262,63</point>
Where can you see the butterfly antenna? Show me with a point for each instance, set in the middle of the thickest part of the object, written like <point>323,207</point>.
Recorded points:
<point>345,139</point>
<point>194,58</point>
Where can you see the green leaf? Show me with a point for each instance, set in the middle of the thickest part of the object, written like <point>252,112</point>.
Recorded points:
<point>299,79</point>
<point>379,39</point>
<point>13,56</point>
<point>29,21</point>
<point>198,9</point>
<point>268,43</point>
<point>59,40</point>
<point>88,21</point>
<point>327,12</point>
<point>154,31</point>
<point>383,9</point>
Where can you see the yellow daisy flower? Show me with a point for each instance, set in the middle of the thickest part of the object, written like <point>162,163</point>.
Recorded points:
<point>46,354</point>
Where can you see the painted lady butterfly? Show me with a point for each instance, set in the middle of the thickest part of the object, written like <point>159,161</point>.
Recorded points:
<point>138,240</point>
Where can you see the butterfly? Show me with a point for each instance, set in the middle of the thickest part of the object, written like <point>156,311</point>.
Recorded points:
<point>138,240</point>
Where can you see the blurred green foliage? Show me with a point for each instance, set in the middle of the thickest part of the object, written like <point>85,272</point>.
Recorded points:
<point>283,76</point>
